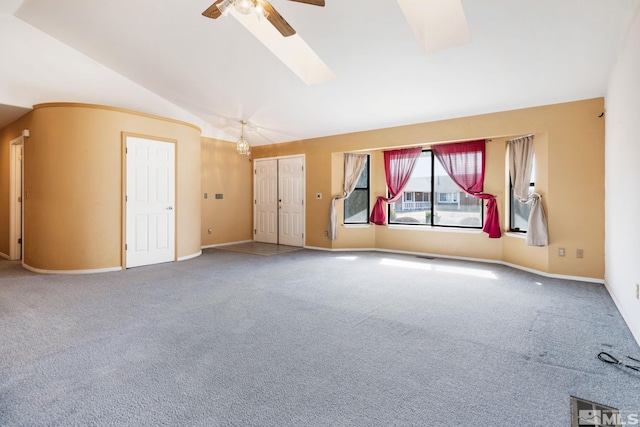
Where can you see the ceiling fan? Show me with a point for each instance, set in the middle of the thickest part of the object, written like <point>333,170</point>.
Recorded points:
<point>261,7</point>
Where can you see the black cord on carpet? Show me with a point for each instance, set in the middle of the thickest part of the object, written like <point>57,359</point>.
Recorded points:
<point>607,358</point>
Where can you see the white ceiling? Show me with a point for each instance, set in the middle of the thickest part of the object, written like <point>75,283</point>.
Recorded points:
<point>214,72</point>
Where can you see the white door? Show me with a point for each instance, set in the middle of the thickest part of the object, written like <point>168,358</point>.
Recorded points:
<point>150,201</point>
<point>15,205</point>
<point>266,201</point>
<point>279,201</point>
<point>291,200</point>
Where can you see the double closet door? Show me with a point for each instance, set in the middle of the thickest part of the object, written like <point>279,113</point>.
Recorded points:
<point>279,201</point>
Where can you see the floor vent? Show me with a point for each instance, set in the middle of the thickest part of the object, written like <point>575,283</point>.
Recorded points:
<point>585,413</point>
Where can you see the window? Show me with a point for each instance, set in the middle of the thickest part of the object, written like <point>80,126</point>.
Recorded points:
<point>448,197</point>
<point>356,206</point>
<point>519,212</point>
<point>429,181</point>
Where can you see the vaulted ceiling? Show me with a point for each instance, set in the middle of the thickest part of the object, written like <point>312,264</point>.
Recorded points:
<point>163,57</point>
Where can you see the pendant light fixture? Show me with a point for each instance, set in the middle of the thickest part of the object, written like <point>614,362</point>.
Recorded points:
<point>242,146</point>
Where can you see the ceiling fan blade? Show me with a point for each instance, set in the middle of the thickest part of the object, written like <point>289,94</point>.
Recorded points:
<point>277,20</point>
<point>313,2</point>
<point>212,12</point>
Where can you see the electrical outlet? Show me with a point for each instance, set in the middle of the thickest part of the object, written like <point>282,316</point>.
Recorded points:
<point>326,234</point>
<point>561,252</point>
<point>579,253</point>
<point>318,196</point>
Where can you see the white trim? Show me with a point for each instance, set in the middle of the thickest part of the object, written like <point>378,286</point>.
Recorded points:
<point>90,271</point>
<point>279,157</point>
<point>483,260</point>
<point>515,235</point>
<point>555,276</point>
<point>367,225</point>
<point>15,221</point>
<point>225,244</point>
<point>3,255</point>
<point>465,230</point>
<point>635,330</point>
<point>186,257</point>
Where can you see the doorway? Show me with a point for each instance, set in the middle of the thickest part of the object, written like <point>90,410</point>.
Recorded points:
<point>279,200</point>
<point>15,197</point>
<point>149,201</point>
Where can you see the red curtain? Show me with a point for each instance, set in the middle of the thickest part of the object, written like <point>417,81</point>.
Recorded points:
<point>464,163</point>
<point>398,166</point>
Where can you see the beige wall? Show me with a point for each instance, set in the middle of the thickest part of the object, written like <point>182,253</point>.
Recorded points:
<point>73,173</point>
<point>569,174</point>
<point>225,172</point>
<point>81,218</point>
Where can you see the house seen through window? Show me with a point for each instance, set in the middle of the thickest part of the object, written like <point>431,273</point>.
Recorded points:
<point>432,198</point>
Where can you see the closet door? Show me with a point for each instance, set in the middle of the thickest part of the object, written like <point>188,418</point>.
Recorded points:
<point>266,201</point>
<point>150,200</point>
<point>279,201</point>
<point>291,201</point>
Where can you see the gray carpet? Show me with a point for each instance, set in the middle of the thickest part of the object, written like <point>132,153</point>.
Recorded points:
<point>259,248</point>
<point>307,338</point>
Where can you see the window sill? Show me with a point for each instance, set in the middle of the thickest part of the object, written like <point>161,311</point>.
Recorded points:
<point>516,235</point>
<point>436,229</point>
<point>356,225</point>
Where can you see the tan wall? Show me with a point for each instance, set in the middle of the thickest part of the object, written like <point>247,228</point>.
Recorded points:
<point>225,172</point>
<point>12,131</point>
<point>569,173</point>
<point>73,173</point>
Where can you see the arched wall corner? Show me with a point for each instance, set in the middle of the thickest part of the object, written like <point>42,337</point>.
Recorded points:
<point>73,185</point>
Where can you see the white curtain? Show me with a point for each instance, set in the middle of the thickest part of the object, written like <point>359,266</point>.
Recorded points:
<point>520,164</point>
<point>353,166</point>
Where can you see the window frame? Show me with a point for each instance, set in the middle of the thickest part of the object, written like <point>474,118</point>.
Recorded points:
<point>367,198</point>
<point>432,199</point>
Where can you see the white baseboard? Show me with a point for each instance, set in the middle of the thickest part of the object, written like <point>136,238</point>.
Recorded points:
<point>3,255</point>
<point>555,276</point>
<point>635,329</point>
<point>225,244</point>
<point>88,271</point>
<point>186,257</point>
<point>489,261</point>
<point>96,270</point>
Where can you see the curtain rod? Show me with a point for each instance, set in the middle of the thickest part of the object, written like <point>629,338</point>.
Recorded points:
<point>518,137</point>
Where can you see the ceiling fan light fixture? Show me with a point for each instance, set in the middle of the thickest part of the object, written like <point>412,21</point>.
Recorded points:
<point>244,6</point>
<point>224,6</point>
<point>260,11</point>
